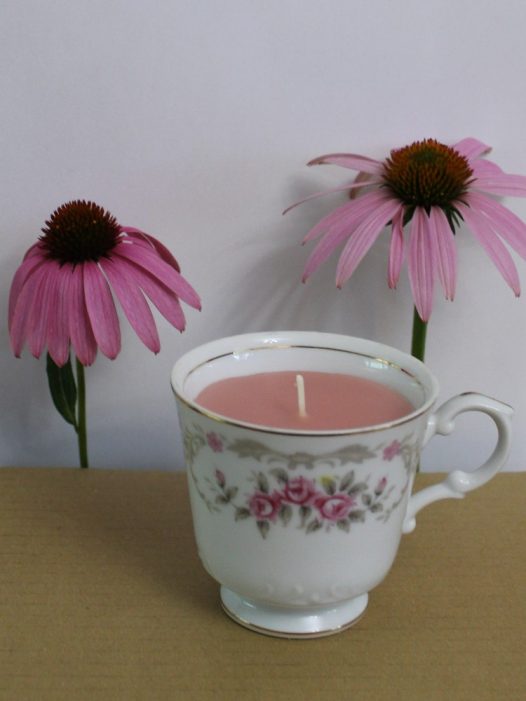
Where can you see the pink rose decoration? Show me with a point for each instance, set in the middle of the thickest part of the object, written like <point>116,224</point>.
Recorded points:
<point>334,507</point>
<point>299,490</point>
<point>214,442</point>
<point>392,450</point>
<point>265,507</point>
<point>381,486</point>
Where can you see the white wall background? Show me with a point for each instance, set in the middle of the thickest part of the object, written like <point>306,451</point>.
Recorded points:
<point>193,119</point>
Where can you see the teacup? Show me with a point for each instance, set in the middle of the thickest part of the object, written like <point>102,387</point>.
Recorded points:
<point>298,526</point>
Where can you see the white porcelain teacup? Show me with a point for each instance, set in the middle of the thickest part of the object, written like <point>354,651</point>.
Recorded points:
<point>298,526</point>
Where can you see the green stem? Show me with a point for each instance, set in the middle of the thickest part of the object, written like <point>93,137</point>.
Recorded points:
<point>81,416</point>
<point>418,342</point>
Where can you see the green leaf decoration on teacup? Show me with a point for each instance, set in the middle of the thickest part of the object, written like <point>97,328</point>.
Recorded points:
<point>354,453</point>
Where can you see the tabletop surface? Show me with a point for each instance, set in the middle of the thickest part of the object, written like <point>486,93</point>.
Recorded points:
<point>102,596</point>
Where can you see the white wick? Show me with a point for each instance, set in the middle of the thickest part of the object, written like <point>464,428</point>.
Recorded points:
<point>300,388</point>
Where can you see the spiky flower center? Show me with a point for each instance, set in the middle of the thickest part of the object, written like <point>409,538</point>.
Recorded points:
<point>427,174</point>
<point>79,231</point>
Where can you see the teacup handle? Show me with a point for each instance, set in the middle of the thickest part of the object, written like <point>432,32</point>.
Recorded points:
<point>457,483</point>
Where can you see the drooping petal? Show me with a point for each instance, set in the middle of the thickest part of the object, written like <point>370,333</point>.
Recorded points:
<point>503,184</point>
<point>23,273</point>
<point>21,315</point>
<point>141,236</point>
<point>132,301</point>
<point>471,148</point>
<point>483,169</point>
<point>58,327</point>
<point>421,263</point>
<point>362,179</point>
<point>80,331</point>
<point>164,299</point>
<point>34,250</point>
<point>151,262</point>
<point>363,238</point>
<point>42,309</point>
<point>396,249</point>
<point>496,250</point>
<point>101,310</point>
<point>445,249</point>
<point>348,215</point>
<point>340,215</point>
<point>342,188</point>
<point>503,221</point>
<point>350,160</point>
<point>323,249</point>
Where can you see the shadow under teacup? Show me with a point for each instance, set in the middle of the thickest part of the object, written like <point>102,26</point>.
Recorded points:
<point>296,522</point>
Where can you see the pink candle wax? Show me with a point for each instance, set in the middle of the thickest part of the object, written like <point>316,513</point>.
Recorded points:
<point>333,401</point>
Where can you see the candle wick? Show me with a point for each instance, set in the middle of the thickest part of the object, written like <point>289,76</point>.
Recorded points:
<point>300,390</point>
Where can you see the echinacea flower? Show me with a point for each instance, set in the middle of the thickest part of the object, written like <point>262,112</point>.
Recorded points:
<point>430,188</point>
<point>61,296</point>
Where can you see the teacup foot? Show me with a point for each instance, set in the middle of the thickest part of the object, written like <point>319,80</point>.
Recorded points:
<point>281,622</point>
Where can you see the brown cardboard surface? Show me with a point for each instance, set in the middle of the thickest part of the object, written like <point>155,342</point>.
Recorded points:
<point>102,596</point>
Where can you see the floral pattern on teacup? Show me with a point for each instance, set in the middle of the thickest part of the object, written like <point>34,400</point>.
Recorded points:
<point>312,504</point>
<point>392,450</point>
<point>281,494</point>
<point>214,441</point>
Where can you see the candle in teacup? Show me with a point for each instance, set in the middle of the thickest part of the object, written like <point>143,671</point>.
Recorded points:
<point>307,400</point>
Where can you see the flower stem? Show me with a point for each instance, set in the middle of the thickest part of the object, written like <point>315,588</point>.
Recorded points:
<point>81,415</point>
<point>418,342</point>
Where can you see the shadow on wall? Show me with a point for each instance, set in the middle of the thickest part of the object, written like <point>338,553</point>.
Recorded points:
<point>270,295</point>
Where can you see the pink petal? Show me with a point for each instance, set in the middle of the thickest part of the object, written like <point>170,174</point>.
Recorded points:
<point>505,223</point>
<point>151,262</point>
<point>471,148</point>
<point>34,250</point>
<point>80,331</point>
<point>488,239</point>
<point>421,263</point>
<point>445,249</point>
<point>42,309</point>
<point>23,273</point>
<point>21,315</point>
<point>58,329</point>
<point>364,179</point>
<point>363,238</point>
<point>132,301</point>
<point>164,299</point>
<point>348,214</point>
<point>141,236</point>
<point>396,249</point>
<point>342,188</point>
<point>503,184</point>
<point>483,168</point>
<point>325,247</point>
<point>336,217</point>
<point>101,310</point>
<point>352,161</point>
<point>349,217</point>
